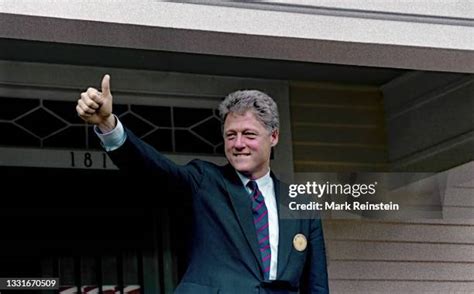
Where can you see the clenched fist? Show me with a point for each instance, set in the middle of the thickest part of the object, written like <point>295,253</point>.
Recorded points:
<point>95,107</point>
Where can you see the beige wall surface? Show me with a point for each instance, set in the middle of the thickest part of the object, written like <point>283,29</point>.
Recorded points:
<point>340,128</point>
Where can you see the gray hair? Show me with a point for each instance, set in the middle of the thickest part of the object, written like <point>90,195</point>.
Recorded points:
<point>262,105</point>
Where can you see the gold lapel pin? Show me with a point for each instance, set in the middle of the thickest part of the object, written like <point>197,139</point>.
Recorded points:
<point>300,242</point>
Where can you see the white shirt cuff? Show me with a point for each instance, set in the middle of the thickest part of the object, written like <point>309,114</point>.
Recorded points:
<point>113,139</point>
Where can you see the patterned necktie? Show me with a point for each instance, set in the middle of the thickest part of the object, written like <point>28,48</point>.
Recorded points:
<point>260,220</point>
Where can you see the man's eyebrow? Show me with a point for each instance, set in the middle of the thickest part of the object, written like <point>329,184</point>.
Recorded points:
<point>243,130</point>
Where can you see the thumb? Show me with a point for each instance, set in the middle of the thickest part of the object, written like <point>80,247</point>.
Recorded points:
<point>106,86</point>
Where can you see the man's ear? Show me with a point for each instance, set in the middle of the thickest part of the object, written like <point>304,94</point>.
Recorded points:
<point>274,137</point>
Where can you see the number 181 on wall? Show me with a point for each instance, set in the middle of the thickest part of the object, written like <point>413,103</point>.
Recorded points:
<point>93,160</point>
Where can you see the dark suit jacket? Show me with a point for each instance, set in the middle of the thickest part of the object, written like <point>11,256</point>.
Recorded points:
<point>224,255</point>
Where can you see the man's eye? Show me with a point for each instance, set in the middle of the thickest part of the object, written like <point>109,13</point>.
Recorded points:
<point>251,135</point>
<point>230,136</point>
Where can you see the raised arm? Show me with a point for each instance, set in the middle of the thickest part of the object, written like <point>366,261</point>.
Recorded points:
<point>127,151</point>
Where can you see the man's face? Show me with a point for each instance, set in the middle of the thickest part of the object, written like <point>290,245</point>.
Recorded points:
<point>248,144</point>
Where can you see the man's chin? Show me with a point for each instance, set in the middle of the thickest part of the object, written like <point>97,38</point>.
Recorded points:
<point>241,169</point>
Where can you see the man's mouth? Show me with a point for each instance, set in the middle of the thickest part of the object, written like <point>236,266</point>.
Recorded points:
<point>241,154</point>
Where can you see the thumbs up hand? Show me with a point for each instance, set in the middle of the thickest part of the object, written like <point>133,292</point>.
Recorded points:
<point>95,107</point>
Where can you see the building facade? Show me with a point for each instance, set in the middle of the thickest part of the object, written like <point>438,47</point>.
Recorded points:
<point>377,86</point>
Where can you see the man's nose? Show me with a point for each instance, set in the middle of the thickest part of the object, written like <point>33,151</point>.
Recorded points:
<point>239,142</point>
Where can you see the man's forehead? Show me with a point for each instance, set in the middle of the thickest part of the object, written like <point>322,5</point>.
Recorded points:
<point>248,118</point>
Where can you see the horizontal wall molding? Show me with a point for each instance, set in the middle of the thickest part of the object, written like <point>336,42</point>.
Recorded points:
<point>32,75</point>
<point>339,36</point>
<point>338,10</point>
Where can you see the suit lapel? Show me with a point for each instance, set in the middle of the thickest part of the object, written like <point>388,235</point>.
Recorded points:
<point>287,229</point>
<point>243,209</point>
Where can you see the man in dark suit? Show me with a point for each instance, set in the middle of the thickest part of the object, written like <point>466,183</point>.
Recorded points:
<point>240,243</point>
